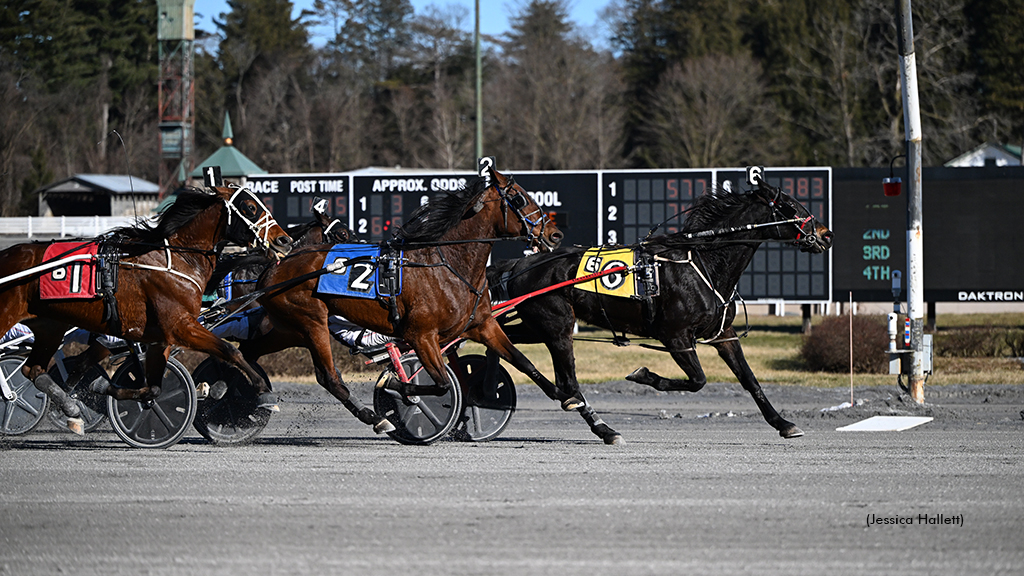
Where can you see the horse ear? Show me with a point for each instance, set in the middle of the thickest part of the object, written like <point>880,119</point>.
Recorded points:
<point>498,178</point>
<point>222,191</point>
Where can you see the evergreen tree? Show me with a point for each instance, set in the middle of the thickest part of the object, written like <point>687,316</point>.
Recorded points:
<point>997,43</point>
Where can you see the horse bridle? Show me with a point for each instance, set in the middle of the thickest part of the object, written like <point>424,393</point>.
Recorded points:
<point>517,201</point>
<point>787,214</point>
<point>260,228</point>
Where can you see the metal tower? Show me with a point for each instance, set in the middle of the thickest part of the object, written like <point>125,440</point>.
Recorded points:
<point>176,40</point>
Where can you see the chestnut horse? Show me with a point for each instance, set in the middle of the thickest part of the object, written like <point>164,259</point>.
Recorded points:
<point>444,295</point>
<point>699,268</point>
<point>158,273</point>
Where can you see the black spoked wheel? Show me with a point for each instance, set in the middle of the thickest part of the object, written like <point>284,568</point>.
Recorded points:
<point>28,407</point>
<point>157,423</point>
<point>488,401</point>
<point>234,418</point>
<point>93,407</point>
<point>418,420</point>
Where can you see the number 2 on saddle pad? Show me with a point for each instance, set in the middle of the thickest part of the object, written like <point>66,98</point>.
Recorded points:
<point>358,278</point>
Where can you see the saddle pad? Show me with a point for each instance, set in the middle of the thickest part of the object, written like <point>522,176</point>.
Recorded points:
<point>75,279</point>
<point>599,259</point>
<point>359,278</point>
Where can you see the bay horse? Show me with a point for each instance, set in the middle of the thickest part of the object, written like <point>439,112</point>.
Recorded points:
<point>444,248</point>
<point>158,273</point>
<point>699,268</point>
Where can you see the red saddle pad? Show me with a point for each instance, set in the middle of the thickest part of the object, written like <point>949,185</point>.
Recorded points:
<point>76,278</point>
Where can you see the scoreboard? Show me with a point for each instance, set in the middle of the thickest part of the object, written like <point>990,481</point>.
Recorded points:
<point>633,202</point>
<point>972,239</point>
<point>590,207</point>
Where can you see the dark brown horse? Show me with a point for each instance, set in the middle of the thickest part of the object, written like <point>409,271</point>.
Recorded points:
<point>156,274</point>
<point>699,268</point>
<point>444,250</point>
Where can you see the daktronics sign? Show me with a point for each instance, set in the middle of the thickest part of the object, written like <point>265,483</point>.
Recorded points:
<point>971,230</point>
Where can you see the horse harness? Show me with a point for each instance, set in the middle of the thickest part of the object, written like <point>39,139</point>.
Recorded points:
<point>391,253</point>
<point>110,257</point>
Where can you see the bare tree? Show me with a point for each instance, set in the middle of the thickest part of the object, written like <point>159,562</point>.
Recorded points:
<point>712,111</point>
<point>18,119</point>
<point>437,40</point>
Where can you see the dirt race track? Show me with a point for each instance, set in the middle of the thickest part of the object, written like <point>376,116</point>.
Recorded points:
<point>702,486</point>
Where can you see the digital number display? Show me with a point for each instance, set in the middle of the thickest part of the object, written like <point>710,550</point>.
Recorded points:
<point>634,202</point>
<point>290,196</point>
<point>380,204</point>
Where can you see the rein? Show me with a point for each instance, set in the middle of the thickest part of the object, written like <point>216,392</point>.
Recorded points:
<point>508,305</point>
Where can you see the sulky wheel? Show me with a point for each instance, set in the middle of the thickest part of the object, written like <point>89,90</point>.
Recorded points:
<point>488,400</point>
<point>28,407</point>
<point>422,419</point>
<point>234,418</point>
<point>157,423</point>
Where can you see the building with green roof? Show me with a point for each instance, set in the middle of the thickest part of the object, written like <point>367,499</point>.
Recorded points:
<point>234,166</point>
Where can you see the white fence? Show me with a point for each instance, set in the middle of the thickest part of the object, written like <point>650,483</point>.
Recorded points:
<point>62,226</point>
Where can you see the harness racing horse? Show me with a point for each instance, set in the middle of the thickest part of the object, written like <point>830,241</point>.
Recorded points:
<point>158,273</point>
<point>699,269</point>
<point>444,247</point>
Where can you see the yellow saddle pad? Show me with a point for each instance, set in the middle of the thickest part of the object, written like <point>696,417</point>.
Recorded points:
<point>616,284</point>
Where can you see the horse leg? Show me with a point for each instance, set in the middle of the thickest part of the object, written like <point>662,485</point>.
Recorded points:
<point>319,346</point>
<point>489,334</point>
<point>152,380</point>
<point>429,354</point>
<point>47,341</point>
<point>732,353</point>
<point>686,358</point>
<point>190,334</point>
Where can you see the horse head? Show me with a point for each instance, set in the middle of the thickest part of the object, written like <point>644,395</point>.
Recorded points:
<point>541,232</point>
<point>333,230</point>
<point>251,224</point>
<point>793,220</point>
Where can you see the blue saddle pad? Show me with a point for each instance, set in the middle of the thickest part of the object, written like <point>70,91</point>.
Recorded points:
<point>359,277</point>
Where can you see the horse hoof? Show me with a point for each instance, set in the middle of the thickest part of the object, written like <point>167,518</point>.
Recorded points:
<point>383,427</point>
<point>573,403</point>
<point>791,431</point>
<point>268,401</point>
<point>220,388</point>
<point>77,425</point>
<point>641,375</point>
<point>614,440</point>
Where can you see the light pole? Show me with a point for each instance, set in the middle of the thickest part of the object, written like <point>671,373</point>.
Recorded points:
<point>479,89</point>
<point>915,238</point>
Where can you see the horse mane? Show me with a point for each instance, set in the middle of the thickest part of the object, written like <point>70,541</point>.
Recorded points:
<point>430,221</point>
<point>711,207</point>
<point>707,213</point>
<point>183,210</point>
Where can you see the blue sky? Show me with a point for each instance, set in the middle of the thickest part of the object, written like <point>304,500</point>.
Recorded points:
<point>494,14</point>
